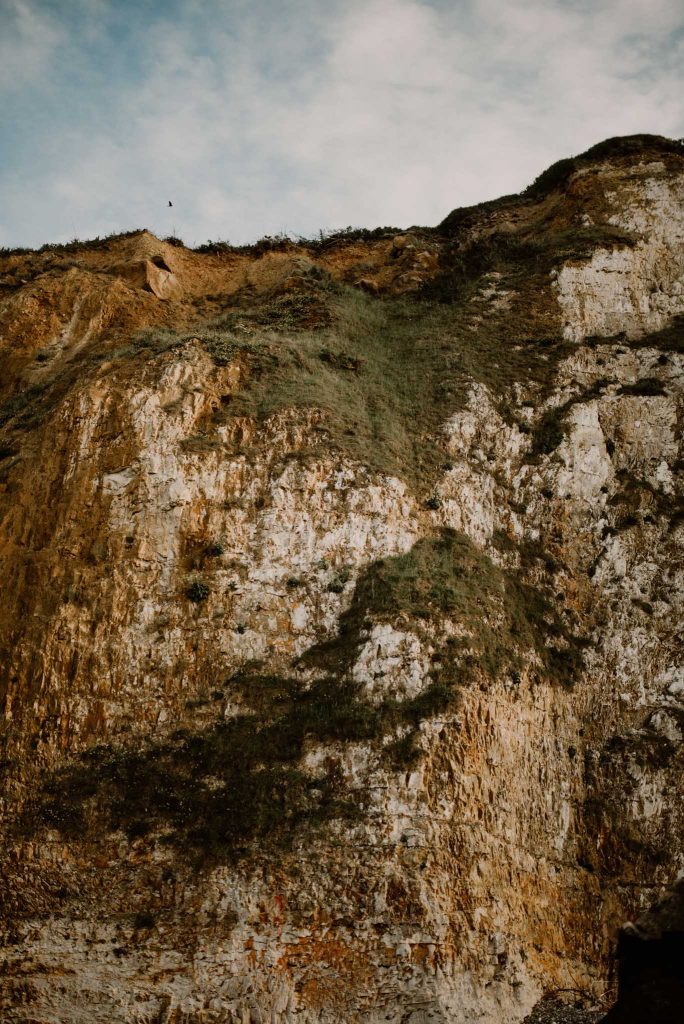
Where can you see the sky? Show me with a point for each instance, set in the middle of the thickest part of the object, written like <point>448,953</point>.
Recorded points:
<point>260,117</point>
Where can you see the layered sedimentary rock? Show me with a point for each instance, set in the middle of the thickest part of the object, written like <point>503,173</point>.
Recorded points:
<point>340,646</point>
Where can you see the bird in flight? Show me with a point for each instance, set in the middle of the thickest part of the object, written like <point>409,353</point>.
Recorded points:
<point>170,203</point>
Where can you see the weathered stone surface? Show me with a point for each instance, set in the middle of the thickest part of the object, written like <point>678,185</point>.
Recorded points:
<point>639,288</point>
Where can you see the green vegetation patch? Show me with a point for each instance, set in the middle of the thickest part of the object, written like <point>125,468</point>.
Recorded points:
<point>523,259</point>
<point>151,342</point>
<point>386,373</point>
<point>197,591</point>
<point>26,408</point>
<point>498,617</point>
<point>502,616</point>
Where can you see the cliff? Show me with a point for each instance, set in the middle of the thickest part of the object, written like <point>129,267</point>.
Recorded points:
<point>340,644</point>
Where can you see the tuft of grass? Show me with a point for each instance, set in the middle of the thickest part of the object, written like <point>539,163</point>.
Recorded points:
<point>339,581</point>
<point>295,311</point>
<point>269,243</point>
<point>214,550</point>
<point>149,342</point>
<point>341,360</point>
<point>25,408</point>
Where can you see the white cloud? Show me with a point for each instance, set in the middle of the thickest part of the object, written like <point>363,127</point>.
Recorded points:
<point>308,115</point>
<point>29,38</point>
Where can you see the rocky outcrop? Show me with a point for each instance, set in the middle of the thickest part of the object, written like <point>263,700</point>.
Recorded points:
<point>639,288</point>
<point>340,652</point>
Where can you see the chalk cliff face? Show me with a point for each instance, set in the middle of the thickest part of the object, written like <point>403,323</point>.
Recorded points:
<point>340,664</point>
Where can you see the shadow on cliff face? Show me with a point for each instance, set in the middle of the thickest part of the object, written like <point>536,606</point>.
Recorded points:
<point>213,792</point>
<point>613,843</point>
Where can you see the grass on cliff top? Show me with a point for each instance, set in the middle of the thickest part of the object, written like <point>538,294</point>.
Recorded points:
<point>75,245</point>
<point>222,792</point>
<point>518,256</point>
<point>324,241</point>
<point>553,177</point>
<point>557,175</point>
<point>386,372</point>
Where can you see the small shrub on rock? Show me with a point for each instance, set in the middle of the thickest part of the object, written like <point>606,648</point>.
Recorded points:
<point>197,592</point>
